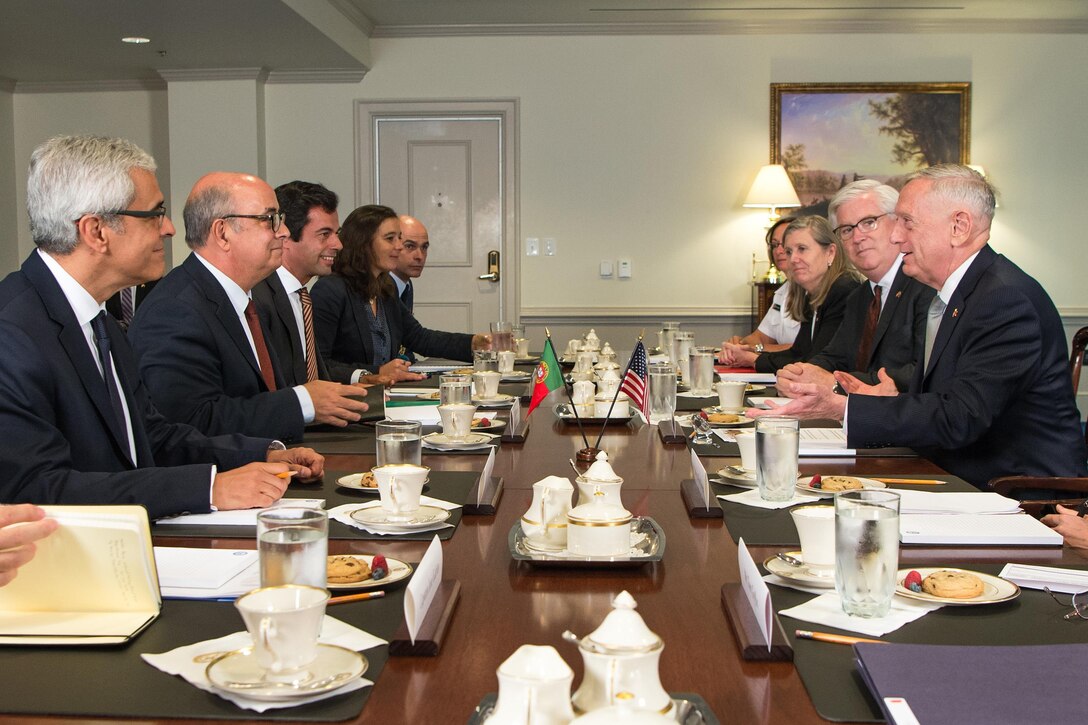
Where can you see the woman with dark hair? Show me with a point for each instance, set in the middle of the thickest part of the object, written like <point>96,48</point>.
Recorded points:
<point>361,325</point>
<point>821,270</point>
<point>777,330</point>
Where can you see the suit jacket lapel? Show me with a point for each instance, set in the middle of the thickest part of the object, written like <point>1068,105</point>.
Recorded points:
<point>957,306</point>
<point>359,310</point>
<point>75,346</point>
<point>282,302</point>
<point>224,312</point>
<point>888,311</point>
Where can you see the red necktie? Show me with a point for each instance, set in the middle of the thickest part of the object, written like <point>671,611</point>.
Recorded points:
<point>869,331</point>
<point>263,359</point>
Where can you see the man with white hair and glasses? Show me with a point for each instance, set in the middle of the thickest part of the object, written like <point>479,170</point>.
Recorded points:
<point>79,427</point>
<point>992,395</point>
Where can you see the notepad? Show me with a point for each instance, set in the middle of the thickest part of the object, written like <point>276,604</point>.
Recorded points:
<point>92,581</point>
<point>976,529</point>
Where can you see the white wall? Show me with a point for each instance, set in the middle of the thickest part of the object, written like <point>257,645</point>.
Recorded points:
<point>10,210</point>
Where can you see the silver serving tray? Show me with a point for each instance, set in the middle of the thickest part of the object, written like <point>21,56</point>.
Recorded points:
<point>653,545</point>
<point>565,414</point>
<point>690,709</point>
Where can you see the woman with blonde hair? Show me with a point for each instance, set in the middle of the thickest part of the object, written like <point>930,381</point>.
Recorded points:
<point>820,268</point>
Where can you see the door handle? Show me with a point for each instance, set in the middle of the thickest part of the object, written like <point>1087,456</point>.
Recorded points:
<point>492,267</point>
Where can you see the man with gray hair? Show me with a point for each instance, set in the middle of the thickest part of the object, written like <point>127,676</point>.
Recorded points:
<point>203,349</point>
<point>79,426</point>
<point>884,325</point>
<point>992,395</point>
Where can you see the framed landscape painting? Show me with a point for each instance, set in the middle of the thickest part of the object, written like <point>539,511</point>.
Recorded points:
<point>830,134</point>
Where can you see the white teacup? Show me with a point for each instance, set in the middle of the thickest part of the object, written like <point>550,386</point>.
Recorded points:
<point>522,345</point>
<point>816,529</point>
<point>487,384</point>
<point>746,441</point>
<point>506,361</point>
<point>399,487</point>
<point>284,622</point>
<point>456,420</point>
<point>731,395</point>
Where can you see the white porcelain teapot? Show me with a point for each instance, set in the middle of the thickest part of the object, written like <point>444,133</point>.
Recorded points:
<point>592,341</point>
<point>621,656</point>
<point>600,477</point>
<point>545,523</point>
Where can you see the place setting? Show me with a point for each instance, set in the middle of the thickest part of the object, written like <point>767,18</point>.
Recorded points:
<point>401,508</point>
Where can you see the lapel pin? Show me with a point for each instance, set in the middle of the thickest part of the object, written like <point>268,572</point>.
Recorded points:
<point>956,312</point>
<point>898,294</point>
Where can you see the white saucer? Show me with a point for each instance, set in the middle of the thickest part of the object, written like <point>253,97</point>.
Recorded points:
<point>994,588</point>
<point>738,474</point>
<point>495,424</point>
<point>516,376</point>
<point>237,673</point>
<point>501,400</point>
<point>398,571</point>
<point>354,481</point>
<point>799,574</point>
<point>471,442</point>
<point>378,518</point>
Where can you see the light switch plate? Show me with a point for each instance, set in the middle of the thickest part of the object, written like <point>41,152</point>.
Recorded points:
<point>606,267</point>
<point>549,246</point>
<point>532,247</point>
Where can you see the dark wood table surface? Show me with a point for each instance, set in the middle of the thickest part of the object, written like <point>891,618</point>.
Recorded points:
<point>505,604</point>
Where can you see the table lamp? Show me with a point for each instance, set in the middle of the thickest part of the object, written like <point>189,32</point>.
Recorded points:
<point>772,190</point>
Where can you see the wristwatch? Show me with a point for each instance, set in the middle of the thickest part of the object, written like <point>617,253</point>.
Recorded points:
<point>758,347</point>
<point>276,446</point>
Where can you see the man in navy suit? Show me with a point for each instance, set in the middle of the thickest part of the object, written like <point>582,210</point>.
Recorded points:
<point>203,351</point>
<point>79,426</point>
<point>992,395</point>
<point>885,321</point>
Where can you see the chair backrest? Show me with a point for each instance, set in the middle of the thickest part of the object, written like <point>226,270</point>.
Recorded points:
<point>1076,356</point>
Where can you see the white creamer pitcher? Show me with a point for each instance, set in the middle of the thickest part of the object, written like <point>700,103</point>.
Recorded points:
<point>545,523</point>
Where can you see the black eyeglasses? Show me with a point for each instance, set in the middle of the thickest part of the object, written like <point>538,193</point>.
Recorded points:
<point>158,212</point>
<point>868,224</point>
<point>1079,603</point>
<point>275,219</point>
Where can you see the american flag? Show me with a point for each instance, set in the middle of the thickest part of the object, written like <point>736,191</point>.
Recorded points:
<point>634,380</point>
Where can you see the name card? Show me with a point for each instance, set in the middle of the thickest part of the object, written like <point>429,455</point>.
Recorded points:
<point>756,590</point>
<point>485,476</point>
<point>702,485</point>
<point>421,588</point>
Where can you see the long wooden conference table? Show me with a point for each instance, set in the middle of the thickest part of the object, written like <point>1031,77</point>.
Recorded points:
<point>505,604</point>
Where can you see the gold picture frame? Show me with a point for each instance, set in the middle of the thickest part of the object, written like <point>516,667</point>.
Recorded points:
<point>829,134</point>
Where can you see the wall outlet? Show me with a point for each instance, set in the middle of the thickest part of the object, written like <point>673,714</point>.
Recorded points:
<point>549,246</point>
<point>625,269</point>
<point>532,247</point>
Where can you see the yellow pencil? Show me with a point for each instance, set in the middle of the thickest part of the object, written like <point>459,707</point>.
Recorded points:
<point>287,474</point>
<point>913,481</point>
<point>356,597</point>
<point>833,638</point>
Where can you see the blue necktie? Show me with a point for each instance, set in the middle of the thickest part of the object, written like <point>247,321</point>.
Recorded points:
<point>102,339</point>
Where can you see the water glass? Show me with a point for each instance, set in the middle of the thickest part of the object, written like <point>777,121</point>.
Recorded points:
<point>866,550</point>
<point>665,338</point>
<point>399,441</point>
<point>680,356</point>
<point>502,336</point>
<point>454,389</point>
<point>662,392</point>
<point>776,457</point>
<point>485,360</point>
<point>292,546</point>
<point>702,371</point>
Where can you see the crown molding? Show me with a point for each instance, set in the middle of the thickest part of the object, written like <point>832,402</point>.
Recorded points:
<point>213,74</point>
<point>740,27</point>
<point>357,17</point>
<point>145,84</point>
<point>317,75</point>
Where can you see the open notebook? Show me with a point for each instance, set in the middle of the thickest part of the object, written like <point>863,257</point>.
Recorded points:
<point>93,581</point>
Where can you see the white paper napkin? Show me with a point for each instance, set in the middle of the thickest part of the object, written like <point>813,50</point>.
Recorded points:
<point>752,498</point>
<point>826,609</point>
<point>342,514</point>
<point>180,662</point>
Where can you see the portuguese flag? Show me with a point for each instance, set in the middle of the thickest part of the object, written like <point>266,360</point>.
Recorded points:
<point>548,376</point>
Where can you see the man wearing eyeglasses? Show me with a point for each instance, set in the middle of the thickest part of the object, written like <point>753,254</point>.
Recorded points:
<point>992,395</point>
<point>79,426</point>
<point>203,350</point>
<point>885,322</point>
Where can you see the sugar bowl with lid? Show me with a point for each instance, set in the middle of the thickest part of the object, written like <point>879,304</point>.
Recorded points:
<point>600,477</point>
<point>598,528</point>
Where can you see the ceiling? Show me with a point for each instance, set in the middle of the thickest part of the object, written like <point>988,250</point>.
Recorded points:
<point>45,44</point>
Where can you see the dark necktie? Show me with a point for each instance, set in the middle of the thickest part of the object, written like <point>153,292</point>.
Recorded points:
<point>264,362</point>
<point>406,296</point>
<point>308,331</point>
<point>102,340</point>
<point>868,331</point>
<point>128,307</point>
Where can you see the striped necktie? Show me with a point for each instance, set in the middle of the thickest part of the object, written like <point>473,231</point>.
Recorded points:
<point>308,332</point>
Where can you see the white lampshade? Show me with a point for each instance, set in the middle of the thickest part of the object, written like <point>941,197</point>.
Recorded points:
<point>772,189</point>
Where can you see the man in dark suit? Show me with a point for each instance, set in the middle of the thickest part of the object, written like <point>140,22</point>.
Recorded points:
<point>884,325</point>
<point>415,244</point>
<point>123,303</point>
<point>992,395</point>
<point>312,245</point>
<point>202,349</point>
<point>79,426</point>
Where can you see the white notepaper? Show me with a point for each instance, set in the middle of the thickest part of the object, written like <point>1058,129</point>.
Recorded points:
<point>399,392</point>
<point>752,377</point>
<point>767,402</point>
<point>981,529</point>
<point>241,517</point>
<point>485,477</point>
<point>422,587</point>
<point>823,442</point>
<point>698,472</point>
<point>200,568</point>
<point>956,502</point>
<point>1067,581</point>
<point>759,595</point>
<point>426,413</point>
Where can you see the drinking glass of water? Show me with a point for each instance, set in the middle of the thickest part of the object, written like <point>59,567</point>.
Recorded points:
<point>293,546</point>
<point>399,441</point>
<point>702,371</point>
<point>662,392</point>
<point>776,457</point>
<point>866,550</point>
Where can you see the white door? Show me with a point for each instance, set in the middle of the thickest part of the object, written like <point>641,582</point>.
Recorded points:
<point>452,166</point>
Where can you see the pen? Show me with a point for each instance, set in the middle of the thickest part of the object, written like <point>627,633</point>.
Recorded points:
<point>1082,509</point>
<point>832,638</point>
<point>357,597</point>
<point>914,481</point>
